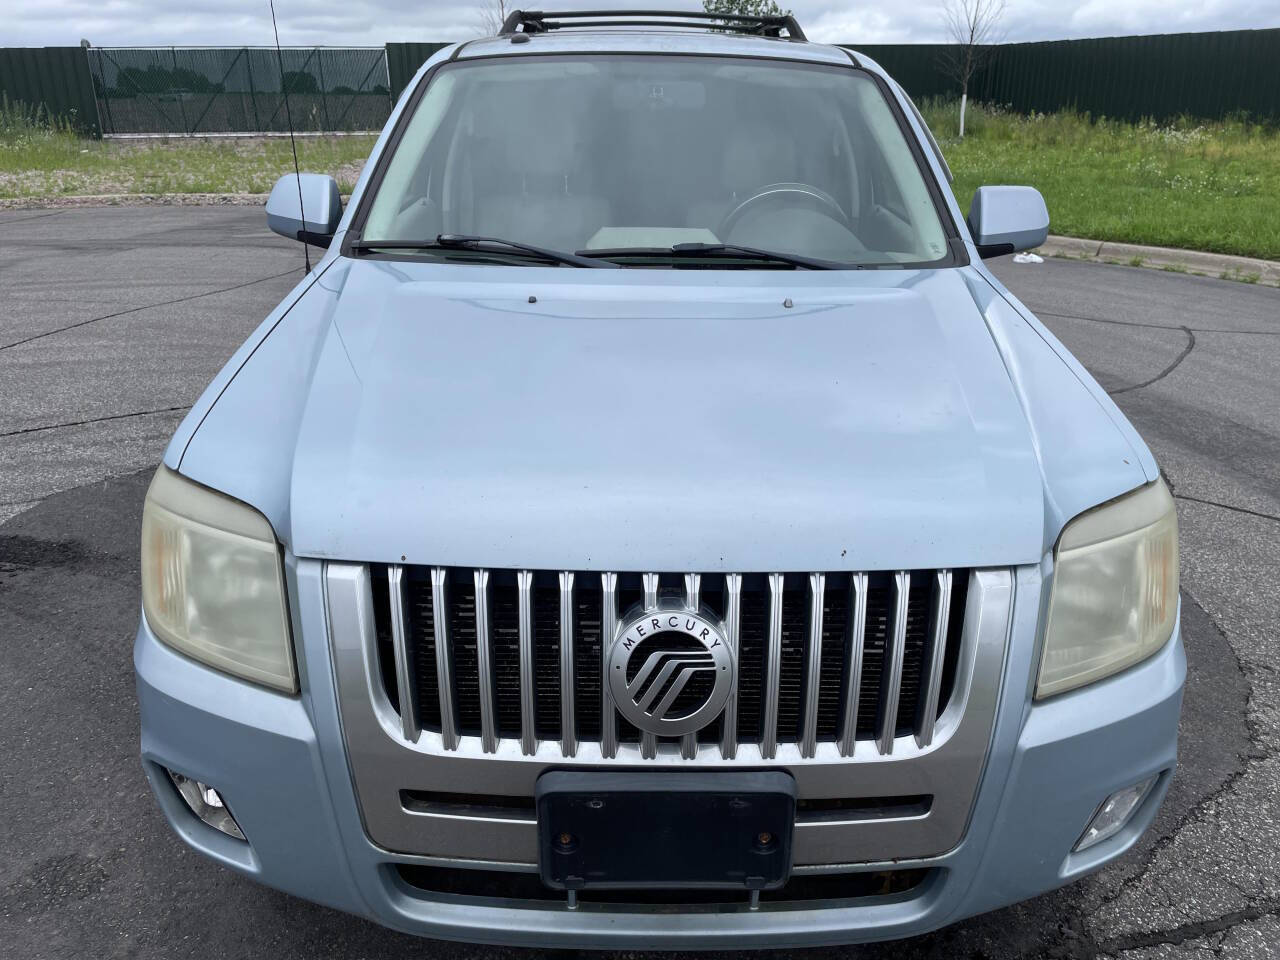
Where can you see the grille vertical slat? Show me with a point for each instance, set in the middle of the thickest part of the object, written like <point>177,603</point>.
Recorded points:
<point>773,667</point>
<point>405,686</point>
<point>568,732</point>
<point>608,627</point>
<point>692,599</point>
<point>733,623</point>
<point>833,658</point>
<point>853,662</point>
<point>484,664</point>
<point>444,659</point>
<point>927,716</point>
<point>648,742</point>
<point>890,687</point>
<point>528,722</point>
<point>809,733</point>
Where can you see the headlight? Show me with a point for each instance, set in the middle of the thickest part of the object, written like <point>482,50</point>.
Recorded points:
<point>212,581</point>
<point>1115,590</point>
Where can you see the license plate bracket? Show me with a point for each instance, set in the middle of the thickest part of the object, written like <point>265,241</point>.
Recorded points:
<point>727,830</point>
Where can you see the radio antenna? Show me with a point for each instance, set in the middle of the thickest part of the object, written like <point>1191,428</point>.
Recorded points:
<point>293,143</point>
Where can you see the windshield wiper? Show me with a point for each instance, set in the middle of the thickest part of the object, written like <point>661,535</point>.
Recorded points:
<point>457,241</point>
<point>700,250</point>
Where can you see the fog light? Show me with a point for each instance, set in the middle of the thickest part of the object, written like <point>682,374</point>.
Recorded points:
<point>1114,813</point>
<point>206,803</point>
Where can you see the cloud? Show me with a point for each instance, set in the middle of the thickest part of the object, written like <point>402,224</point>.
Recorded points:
<point>374,22</point>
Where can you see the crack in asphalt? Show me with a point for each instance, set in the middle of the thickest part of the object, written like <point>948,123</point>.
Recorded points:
<point>1083,945</point>
<point>1152,326</point>
<point>1173,489</point>
<point>148,306</point>
<point>1190,931</point>
<point>1228,506</point>
<point>39,216</point>
<point>1186,351</point>
<point>1120,323</point>
<point>81,423</point>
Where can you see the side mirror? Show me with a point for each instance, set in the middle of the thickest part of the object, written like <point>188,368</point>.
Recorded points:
<point>1007,219</point>
<point>314,194</point>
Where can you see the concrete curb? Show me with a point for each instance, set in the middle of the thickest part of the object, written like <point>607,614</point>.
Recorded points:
<point>140,200</point>
<point>134,200</point>
<point>1246,269</point>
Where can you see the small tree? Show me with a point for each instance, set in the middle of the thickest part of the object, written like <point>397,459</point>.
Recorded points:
<point>973,27</point>
<point>491,15</point>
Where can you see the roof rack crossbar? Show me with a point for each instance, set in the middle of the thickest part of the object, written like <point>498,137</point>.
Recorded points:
<point>537,21</point>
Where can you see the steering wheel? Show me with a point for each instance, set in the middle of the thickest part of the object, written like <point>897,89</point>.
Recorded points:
<point>786,193</point>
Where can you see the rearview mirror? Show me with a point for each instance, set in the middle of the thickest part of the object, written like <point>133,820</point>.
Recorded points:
<point>1007,219</point>
<point>312,194</point>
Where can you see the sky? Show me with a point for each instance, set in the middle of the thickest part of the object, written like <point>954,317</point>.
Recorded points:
<point>374,22</point>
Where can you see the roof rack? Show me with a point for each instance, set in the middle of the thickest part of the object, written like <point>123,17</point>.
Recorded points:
<point>536,21</point>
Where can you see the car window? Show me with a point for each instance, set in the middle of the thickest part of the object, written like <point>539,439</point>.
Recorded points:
<point>624,153</point>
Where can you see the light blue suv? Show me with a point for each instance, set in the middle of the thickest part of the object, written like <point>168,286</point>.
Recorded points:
<point>651,525</point>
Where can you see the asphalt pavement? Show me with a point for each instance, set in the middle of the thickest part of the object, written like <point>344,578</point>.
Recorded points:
<point>113,319</point>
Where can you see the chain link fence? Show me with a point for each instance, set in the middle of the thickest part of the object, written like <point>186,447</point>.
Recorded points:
<point>185,91</point>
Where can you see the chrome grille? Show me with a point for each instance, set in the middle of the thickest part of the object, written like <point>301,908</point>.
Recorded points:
<point>845,658</point>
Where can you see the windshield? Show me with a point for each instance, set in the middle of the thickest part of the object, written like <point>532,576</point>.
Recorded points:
<point>630,156</point>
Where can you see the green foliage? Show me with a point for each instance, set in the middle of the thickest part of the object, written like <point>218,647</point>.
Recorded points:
<point>748,8</point>
<point>155,80</point>
<point>1188,184</point>
<point>300,81</point>
<point>19,119</point>
<point>40,157</point>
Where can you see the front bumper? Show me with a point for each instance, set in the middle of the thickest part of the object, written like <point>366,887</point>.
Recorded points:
<point>281,765</point>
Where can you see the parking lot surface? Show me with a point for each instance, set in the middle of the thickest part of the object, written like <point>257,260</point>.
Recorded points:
<point>112,321</point>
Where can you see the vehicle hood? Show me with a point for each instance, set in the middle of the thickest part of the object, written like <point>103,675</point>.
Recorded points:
<point>606,423</point>
<point>553,418</point>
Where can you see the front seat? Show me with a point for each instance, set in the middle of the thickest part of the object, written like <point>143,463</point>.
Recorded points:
<point>538,192</point>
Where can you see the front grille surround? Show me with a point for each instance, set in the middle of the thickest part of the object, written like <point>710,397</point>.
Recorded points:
<point>836,658</point>
<point>385,764</point>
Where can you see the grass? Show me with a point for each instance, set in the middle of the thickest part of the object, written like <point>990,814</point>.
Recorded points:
<point>1199,186</point>
<point>43,157</point>
<point>1193,185</point>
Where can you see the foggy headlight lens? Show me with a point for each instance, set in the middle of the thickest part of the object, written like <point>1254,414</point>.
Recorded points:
<point>1115,590</point>
<point>212,581</point>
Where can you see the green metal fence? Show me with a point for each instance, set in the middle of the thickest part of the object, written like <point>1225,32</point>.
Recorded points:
<point>54,80</point>
<point>403,61</point>
<point>213,90</point>
<point>1204,75</point>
